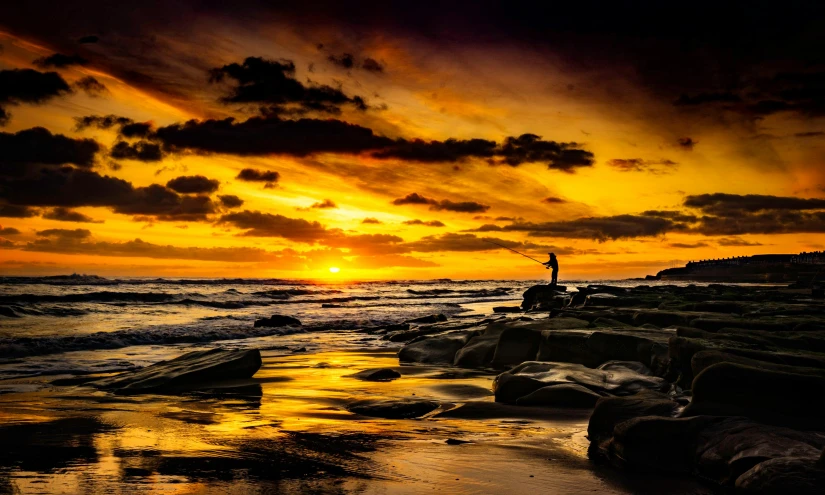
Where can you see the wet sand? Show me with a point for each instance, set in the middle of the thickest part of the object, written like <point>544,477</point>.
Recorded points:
<point>288,431</point>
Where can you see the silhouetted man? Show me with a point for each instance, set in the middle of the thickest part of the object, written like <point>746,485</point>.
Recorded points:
<point>554,264</point>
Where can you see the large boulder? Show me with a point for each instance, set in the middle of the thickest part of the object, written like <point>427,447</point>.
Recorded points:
<point>377,375</point>
<point>727,449</point>
<point>594,347</point>
<point>541,295</point>
<point>191,371</point>
<point>481,349</point>
<point>783,476</point>
<point>656,443</point>
<point>610,411</point>
<point>439,349</point>
<point>528,377</point>
<point>729,389</point>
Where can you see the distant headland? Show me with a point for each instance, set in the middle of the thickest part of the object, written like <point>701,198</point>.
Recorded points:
<point>805,267</point>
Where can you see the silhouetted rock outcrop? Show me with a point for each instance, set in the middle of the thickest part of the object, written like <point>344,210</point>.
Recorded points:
<point>191,371</point>
<point>278,321</point>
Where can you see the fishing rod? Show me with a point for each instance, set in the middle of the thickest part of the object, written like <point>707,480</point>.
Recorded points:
<point>513,250</point>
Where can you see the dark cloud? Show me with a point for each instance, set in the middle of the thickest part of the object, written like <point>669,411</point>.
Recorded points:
<point>704,98</point>
<point>325,204</point>
<point>30,149</point>
<point>230,201</point>
<point>88,39</point>
<point>345,60</point>
<point>687,143</point>
<point>682,245</point>
<point>28,86</point>
<point>676,216</point>
<point>598,228</point>
<point>60,61</point>
<point>271,135</point>
<point>65,233</point>
<point>737,242</point>
<point>641,165</point>
<point>372,65</point>
<point>70,187</point>
<point>445,204</point>
<point>413,199</point>
<point>551,200</point>
<point>17,211</point>
<point>4,117</point>
<point>254,175</point>
<point>63,214</point>
<point>127,127</point>
<point>430,223</point>
<point>529,148</point>
<point>193,184</point>
<point>809,134</point>
<point>91,86</point>
<point>143,151</point>
<point>722,204</point>
<point>8,231</point>
<point>259,224</point>
<point>371,220</point>
<point>140,248</point>
<point>258,80</point>
<point>451,150</point>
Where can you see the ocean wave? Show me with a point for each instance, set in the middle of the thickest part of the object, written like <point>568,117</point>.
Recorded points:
<point>104,296</point>
<point>27,346</point>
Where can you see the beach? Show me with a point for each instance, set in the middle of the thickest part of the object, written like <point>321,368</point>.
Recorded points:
<point>288,428</point>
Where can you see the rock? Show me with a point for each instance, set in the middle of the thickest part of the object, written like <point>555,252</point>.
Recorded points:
<point>428,319</point>
<point>592,348</point>
<point>190,371</point>
<point>377,375</point>
<point>540,294</point>
<point>507,309</point>
<point>516,345</point>
<point>278,321</point>
<point>435,350</point>
<point>610,411</point>
<point>704,359</point>
<point>656,443</point>
<point>456,441</point>
<point>533,375</point>
<point>665,318</point>
<point>729,448</point>
<point>728,389</point>
<point>716,324</point>
<point>563,395</point>
<point>480,350</point>
<point>393,409</point>
<point>783,476</point>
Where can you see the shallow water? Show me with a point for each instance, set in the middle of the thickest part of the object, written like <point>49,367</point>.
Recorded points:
<point>289,432</point>
<point>288,429</point>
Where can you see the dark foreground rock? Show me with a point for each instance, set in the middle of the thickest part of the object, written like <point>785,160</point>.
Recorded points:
<point>527,378</point>
<point>192,371</point>
<point>377,375</point>
<point>278,321</point>
<point>393,409</point>
<point>435,350</point>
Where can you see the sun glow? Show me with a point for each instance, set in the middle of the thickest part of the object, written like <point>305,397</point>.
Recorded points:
<point>334,269</point>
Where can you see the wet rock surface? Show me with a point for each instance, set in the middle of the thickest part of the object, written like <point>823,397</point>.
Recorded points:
<point>192,371</point>
<point>393,409</point>
<point>278,321</point>
<point>723,382</point>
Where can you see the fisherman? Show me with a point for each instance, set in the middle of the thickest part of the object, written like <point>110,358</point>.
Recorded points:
<point>554,264</point>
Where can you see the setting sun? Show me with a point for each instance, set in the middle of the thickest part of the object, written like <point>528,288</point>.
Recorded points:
<point>334,269</point>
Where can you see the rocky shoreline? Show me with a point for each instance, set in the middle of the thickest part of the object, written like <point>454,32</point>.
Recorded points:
<point>723,382</point>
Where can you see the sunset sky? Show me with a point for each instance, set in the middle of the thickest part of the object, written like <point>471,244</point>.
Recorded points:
<point>236,139</point>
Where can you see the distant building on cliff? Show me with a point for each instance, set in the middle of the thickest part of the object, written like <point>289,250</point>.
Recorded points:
<point>756,268</point>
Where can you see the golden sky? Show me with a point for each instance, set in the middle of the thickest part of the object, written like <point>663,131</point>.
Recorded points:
<point>393,150</point>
